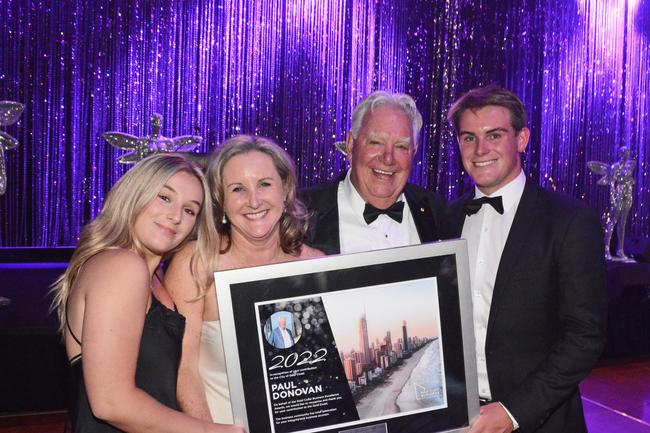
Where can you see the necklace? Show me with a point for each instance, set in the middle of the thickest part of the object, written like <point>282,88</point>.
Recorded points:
<point>242,261</point>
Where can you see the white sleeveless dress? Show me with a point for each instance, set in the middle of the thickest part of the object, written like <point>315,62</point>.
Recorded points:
<point>212,368</point>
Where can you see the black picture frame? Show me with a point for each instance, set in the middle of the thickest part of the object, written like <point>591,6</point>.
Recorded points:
<point>248,298</point>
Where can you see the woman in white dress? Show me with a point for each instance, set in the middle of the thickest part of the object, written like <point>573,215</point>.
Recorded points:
<point>260,221</point>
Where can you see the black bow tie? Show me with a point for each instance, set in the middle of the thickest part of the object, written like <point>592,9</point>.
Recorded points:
<point>371,213</point>
<point>473,206</point>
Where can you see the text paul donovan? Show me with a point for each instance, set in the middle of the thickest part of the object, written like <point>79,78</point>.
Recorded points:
<point>290,389</point>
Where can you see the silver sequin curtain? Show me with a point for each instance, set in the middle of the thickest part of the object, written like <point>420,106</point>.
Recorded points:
<point>294,70</point>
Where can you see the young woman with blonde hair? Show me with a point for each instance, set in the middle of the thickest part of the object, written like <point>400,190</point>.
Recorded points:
<point>122,333</point>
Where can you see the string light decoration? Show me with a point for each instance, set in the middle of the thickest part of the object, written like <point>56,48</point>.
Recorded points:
<point>294,70</point>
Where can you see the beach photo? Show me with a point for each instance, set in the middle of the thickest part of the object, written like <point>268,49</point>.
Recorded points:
<point>390,345</point>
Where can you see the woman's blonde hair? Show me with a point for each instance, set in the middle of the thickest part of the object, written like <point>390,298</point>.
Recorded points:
<point>113,227</point>
<point>294,220</point>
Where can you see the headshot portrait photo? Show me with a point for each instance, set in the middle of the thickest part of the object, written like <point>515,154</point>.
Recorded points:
<point>282,330</point>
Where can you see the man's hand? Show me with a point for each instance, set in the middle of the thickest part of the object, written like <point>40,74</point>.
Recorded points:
<point>492,418</point>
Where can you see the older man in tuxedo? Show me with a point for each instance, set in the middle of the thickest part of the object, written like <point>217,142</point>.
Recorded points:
<point>374,206</point>
<point>537,275</point>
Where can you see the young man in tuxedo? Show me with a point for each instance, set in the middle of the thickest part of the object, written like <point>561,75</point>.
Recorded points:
<point>373,206</point>
<point>537,275</point>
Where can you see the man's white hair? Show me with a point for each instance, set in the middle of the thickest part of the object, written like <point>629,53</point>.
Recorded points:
<point>398,100</point>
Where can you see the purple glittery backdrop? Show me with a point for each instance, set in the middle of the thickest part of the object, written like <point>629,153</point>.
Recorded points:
<point>294,70</point>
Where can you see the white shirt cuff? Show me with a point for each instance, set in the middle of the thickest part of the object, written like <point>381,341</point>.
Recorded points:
<point>515,425</point>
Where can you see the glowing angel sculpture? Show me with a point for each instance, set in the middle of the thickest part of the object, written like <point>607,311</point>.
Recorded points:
<point>618,176</point>
<point>142,147</point>
<point>341,146</point>
<point>10,111</point>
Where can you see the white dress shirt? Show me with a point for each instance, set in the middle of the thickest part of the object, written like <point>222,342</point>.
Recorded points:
<point>486,232</point>
<point>384,232</point>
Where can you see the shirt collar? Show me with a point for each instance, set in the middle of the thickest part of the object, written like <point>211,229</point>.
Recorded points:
<point>510,193</point>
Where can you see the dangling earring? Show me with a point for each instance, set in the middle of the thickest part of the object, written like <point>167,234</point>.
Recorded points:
<point>224,220</point>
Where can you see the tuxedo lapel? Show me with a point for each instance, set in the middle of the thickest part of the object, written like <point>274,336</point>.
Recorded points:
<point>422,214</point>
<point>327,234</point>
<point>323,232</point>
<point>455,217</point>
<point>520,232</point>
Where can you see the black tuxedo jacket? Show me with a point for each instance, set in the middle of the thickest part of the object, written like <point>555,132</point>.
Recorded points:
<point>426,208</point>
<point>546,327</point>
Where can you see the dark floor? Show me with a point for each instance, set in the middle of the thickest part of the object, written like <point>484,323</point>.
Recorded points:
<point>52,422</point>
<point>616,399</point>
